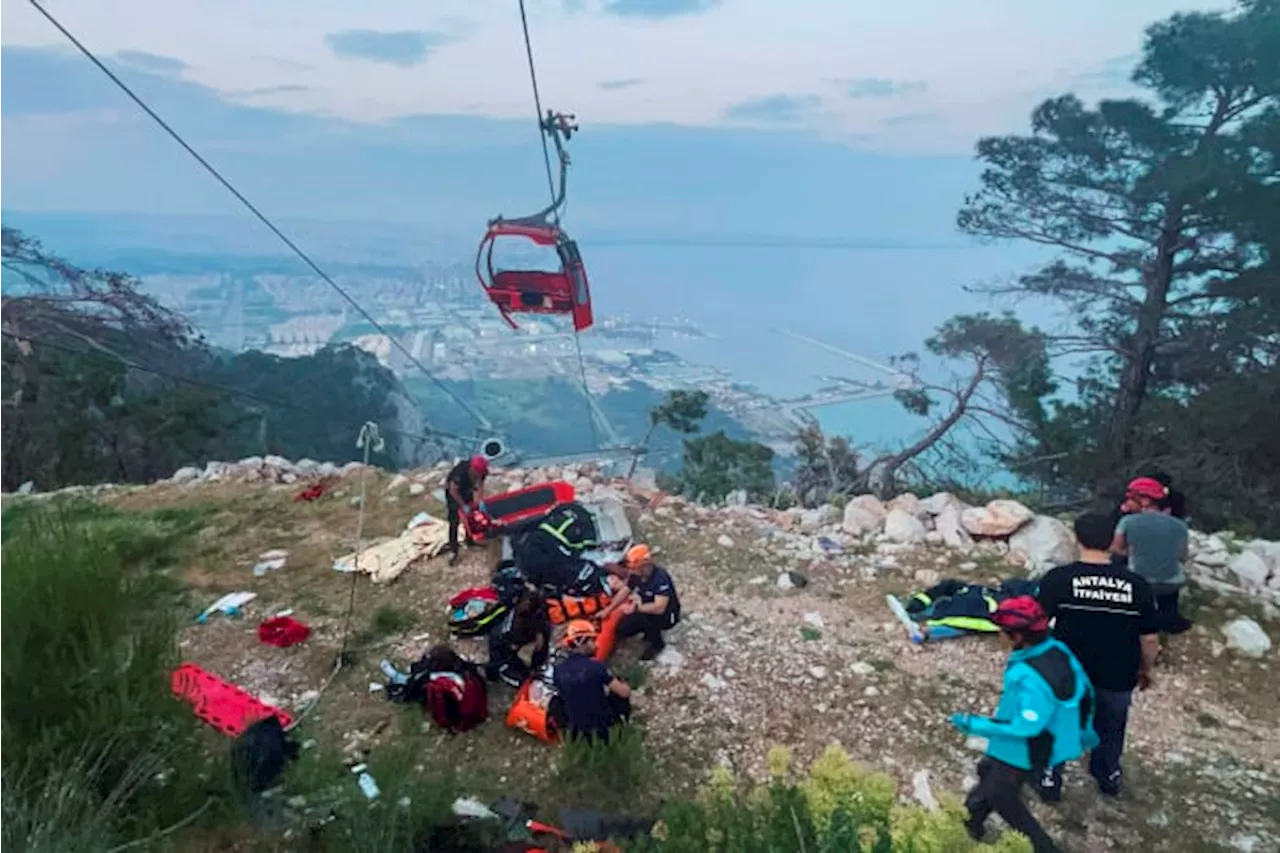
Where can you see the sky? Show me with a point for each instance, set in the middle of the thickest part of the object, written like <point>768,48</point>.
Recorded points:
<point>846,120</point>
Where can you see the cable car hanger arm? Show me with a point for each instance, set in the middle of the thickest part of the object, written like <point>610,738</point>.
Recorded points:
<point>558,126</point>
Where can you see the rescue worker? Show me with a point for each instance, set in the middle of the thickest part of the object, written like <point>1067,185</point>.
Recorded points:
<point>594,699</point>
<point>1044,718</point>
<point>655,604</point>
<point>1106,614</point>
<point>525,624</point>
<point>464,491</point>
<point>1155,544</point>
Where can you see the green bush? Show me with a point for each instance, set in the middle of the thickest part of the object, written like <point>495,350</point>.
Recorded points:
<point>837,807</point>
<point>95,748</point>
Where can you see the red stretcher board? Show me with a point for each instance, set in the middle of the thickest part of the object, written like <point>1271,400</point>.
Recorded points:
<point>509,509</point>
<point>221,704</point>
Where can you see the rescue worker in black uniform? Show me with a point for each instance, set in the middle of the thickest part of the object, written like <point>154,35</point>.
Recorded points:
<point>463,489</point>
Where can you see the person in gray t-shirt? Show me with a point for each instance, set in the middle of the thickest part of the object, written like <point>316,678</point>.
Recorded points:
<point>1156,544</point>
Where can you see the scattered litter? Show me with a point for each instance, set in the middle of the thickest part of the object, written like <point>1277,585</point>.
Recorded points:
<point>288,611</point>
<point>471,807</point>
<point>394,675</point>
<point>376,687</point>
<point>419,520</point>
<point>283,631</point>
<point>922,792</point>
<point>271,563</point>
<point>366,782</point>
<point>312,492</point>
<point>229,604</point>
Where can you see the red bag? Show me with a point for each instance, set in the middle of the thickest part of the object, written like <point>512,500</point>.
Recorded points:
<point>457,702</point>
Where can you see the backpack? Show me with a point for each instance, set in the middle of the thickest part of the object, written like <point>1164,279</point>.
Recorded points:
<point>457,701</point>
<point>474,611</point>
<point>575,524</point>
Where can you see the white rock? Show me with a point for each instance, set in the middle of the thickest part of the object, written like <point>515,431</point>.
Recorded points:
<point>813,520</point>
<point>396,482</point>
<point>1250,569</point>
<point>813,619</point>
<point>710,682</point>
<point>416,488</point>
<point>818,672</point>
<point>908,503</point>
<point>646,479</point>
<point>947,524</point>
<point>871,690</point>
<point>1269,551</point>
<point>933,537</point>
<point>967,566</point>
<point>901,526</point>
<point>998,518</point>
<point>863,514</point>
<point>27,488</point>
<point>758,580</point>
<point>185,475</point>
<point>861,668</point>
<point>738,497</point>
<point>724,540</point>
<point>670,659</point>
<point>251,462</point>
<point>784,581</point>
<point>1043,543</point>
<point>941,502</point>
<point>278,462</point>
<point>1247,637</point>
<point>926,577</point>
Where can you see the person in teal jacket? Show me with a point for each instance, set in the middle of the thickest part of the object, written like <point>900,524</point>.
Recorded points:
<point>1045,717</point>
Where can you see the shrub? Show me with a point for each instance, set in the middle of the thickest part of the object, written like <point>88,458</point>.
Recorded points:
<point>837,807</point>
<point>95,748</point>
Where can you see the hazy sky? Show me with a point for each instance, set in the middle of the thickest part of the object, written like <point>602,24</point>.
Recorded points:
<point>695,113</point>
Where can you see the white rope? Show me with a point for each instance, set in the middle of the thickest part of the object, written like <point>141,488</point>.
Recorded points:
<point>370,441</point>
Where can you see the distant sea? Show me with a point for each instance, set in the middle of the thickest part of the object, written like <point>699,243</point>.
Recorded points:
<point>876,303</point>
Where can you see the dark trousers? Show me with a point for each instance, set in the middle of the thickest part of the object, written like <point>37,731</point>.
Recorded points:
<point>1171,621</point>
<point>506,665</point>
<point>620,712</point>
<point>999,790</point>
<point>454,511</point>
<point>651,625</point>
<point>1110,719</point>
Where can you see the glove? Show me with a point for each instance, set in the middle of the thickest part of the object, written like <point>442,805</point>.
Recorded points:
<point>961,722</point>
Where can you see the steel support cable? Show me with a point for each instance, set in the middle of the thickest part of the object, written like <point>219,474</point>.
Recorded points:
<point>480,419</point>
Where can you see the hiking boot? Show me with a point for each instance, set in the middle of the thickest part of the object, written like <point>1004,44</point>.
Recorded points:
<point>1110,786</point>
<point>653,651</point>
<point>977,831</point>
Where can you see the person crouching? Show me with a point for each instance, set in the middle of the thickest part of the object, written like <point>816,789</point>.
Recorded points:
<point>595,700</point>
<point>656,606</point>
<point>1044,718</point>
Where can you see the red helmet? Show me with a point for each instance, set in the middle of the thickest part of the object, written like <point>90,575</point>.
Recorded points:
<point>1146,487</point>
<point>479,464</point>
<point>1020,614</point>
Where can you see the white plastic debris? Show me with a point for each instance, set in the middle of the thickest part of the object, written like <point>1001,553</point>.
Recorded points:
<point>229,604</point>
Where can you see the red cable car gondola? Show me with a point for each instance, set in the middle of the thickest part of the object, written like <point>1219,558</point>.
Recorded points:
<point>565,291</point>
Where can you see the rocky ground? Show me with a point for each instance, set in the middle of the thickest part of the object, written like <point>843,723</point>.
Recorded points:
<point>786,640</point>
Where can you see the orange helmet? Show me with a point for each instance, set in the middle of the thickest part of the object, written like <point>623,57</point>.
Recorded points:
<point>637,555</point>
<point>578,631</point>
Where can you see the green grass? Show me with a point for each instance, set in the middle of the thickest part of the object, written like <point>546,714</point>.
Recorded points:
<point>96,751</point>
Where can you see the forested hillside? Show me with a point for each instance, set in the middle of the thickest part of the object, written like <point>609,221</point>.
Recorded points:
<point>101,383</point>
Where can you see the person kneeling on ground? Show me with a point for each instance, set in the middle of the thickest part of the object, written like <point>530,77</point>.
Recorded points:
<point>463,491</point>
<point>654,604</point>
<point>525,623</point>
<point>594,698</point>
<point>1045,718</point>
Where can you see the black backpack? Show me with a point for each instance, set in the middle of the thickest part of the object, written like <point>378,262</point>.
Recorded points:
<point>575,524</point>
